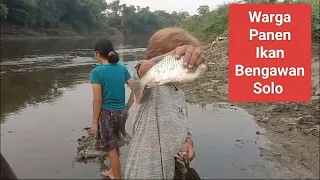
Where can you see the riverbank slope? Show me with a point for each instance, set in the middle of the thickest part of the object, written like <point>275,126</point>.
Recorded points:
<point>9,31</point>
<point>293,128</point>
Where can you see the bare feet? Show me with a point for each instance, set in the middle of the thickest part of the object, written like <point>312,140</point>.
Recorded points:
<point>108,173</point>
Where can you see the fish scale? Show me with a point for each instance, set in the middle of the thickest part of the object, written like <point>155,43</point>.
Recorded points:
<point>167,70</point>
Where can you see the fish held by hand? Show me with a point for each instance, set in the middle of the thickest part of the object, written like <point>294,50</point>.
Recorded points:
<point>167,69</point>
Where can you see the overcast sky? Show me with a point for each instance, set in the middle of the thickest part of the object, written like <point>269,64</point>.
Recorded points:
<point>174,5</point>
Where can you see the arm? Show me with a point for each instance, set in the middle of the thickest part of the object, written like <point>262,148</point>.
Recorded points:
<point>97,102</point>
<point>189,139</point>
<point>188,146</point>
<point>189,135</point>
<point>97,95</point>
<point>129,82</point>
<point>130,101</point>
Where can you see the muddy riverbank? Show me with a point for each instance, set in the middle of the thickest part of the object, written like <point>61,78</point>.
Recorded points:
<point>45,90</point>
<point>47,101</point>
<point>11,32</point>
<point>293,128</point>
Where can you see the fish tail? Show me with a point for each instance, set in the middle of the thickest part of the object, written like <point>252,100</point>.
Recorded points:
<point>137,89</point>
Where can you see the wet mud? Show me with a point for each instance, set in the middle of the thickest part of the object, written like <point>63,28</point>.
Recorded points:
<point>89,148</point>
<point>293,128</point>
<point>38,81</point>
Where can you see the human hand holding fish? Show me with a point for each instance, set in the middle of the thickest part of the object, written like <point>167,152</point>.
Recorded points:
<point>165,69</point>
<point>193,56</point>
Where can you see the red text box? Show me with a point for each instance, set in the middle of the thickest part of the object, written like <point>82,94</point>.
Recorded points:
<point>269,52</point>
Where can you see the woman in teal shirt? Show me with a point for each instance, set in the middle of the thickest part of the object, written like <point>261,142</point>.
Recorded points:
<point>109,106</point>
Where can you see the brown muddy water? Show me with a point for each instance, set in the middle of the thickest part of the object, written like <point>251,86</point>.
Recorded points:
<point>46,102</point>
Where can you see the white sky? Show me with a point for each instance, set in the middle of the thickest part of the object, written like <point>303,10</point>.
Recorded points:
<point>174,5</point>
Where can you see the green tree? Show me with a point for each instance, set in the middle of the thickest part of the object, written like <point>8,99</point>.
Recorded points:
<point>214,23</point>
<point>87,16</point>
<point>3,11</point>
<point>203,9</point>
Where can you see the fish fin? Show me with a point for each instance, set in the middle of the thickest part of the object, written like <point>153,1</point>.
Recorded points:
<point>137,89</point>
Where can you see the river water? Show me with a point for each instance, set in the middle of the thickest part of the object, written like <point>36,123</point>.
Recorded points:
<point>46,101</point>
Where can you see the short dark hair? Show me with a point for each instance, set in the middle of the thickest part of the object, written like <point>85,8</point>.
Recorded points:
<point>106,50</point>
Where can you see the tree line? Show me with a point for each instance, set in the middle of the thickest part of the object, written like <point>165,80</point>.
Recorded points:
<point>89,16</point>
<point>86,16</point>
<point>208,25</point>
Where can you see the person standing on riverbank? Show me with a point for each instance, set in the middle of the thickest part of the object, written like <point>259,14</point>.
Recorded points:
<point>109,108</point>
<point>161,127</point>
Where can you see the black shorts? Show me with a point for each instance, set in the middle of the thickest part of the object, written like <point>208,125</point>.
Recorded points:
<point>111,127</point>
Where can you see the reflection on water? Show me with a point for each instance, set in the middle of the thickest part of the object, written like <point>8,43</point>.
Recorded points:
<point>40,140</point>
<point>36,47</point>
<point>19,89</point>
<point>46,100</point>
<point>45,103</point>
<point>226,143</point>
<point>34,71</point>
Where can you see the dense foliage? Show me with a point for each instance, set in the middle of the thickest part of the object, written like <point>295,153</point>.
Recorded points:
<point>85,15</point>
<point>214,23</point>
<point>140,21</point>
<point>96,15</point>
<point>81,15</point>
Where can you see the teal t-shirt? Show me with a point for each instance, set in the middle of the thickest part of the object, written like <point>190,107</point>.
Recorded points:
<point>112,78</point>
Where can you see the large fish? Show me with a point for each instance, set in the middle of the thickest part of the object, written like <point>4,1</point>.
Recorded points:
<point>167,70</point>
